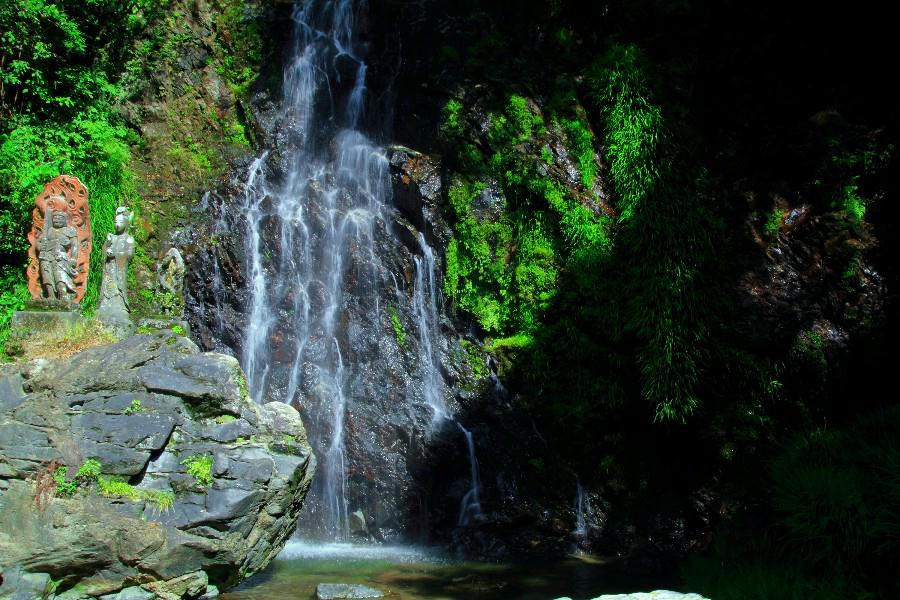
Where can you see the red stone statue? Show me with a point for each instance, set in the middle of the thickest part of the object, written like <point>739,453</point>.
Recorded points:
<point>60,239</point>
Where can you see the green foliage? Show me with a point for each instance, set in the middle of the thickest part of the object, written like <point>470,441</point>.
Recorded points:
<point>135,407</point>
<point>773,222</point>
<point>56,56</point>
<point>115,487</point>
<point>475,358</point>
<point>634,130</point>
<point>399,332</point>
<point>200,468</point>
<point>515,342</point>
<point>732,575</point>
<point>668,231</point>
<point>838,493</point>
<point>477,278</point>
<point>89,471</point>
<point>13,294</point>
<point>850,161</point>
<point>58,66</point>
<point>63,486</point>
<point>452,122</point>
<point>239,44</point>
<point>223,419</point>
<point>178,330</point>
<point>241,382</point>
<point>86,474</point>
<point>503,269</point>
<point>836,496</point>
<point>581,145</point>
<point>164,303</point>
<point>853,204</point>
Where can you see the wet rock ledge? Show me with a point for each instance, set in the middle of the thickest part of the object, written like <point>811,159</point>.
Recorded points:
<point>142,470</point>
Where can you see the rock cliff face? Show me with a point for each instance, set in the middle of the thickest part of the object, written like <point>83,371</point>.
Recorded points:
<point>142,466</point>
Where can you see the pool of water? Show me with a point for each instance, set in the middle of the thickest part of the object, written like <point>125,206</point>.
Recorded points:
<point>416,574</point>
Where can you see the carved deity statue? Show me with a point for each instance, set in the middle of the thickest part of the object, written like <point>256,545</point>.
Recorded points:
<point>57,252</point>
<point>118,250</point>
<point>60,240</point>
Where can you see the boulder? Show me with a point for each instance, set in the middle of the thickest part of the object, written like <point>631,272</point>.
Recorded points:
<point>199,487</point>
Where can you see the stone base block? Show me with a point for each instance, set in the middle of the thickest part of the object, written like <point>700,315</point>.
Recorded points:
<point>116,321</point>
<point>26,322</point>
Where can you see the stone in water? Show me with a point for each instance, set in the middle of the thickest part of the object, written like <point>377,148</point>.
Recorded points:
<point>340,591</point>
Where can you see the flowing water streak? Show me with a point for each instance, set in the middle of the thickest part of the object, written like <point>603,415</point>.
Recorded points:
<point>581,506</point>
<point>260,319</point>
<point>324,209</point>
<point>425,308</point>
<point>471,503</point>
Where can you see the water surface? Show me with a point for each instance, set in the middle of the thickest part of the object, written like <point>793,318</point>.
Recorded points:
<point>415,574</point>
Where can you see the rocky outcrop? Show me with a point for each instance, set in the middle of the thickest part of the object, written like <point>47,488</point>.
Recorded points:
<point>140,470</point>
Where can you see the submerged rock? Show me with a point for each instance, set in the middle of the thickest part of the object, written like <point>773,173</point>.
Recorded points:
<point>198,486</point>
<point>657,595</point>
<point>341,591</point>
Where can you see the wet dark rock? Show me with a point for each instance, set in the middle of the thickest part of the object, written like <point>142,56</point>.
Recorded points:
<point>141,407</point>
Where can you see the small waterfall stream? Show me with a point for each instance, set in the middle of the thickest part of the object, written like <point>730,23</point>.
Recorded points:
<point>425,306</point>
<point>581,506</point>
<point>470,506</point>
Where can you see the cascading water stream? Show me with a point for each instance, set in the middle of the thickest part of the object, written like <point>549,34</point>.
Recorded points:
<point>425,307</point>
<point>319,263</point>
<point>470,506</point>
<point>325,208</point>
<point>581,506</point>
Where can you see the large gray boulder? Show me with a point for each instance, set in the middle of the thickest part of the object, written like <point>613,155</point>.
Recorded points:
<point>216,481</point>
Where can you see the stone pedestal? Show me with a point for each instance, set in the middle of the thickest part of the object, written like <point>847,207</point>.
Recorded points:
<point>116,321</point>
<point>40,316</point>
<point>27,322</point>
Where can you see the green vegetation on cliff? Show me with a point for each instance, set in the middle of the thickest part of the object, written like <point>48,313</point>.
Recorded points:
<point>665,226</point>
<point>67,69</point>
<point>57,91</point>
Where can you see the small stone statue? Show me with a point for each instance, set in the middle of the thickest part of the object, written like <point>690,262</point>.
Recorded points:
<point>118,250</point>
<point>57,252</point>
<point>170,279</point>
<point>60,240</point>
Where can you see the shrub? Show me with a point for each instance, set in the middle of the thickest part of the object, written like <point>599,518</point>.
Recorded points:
<point>89,471</point>
<point>200,468</point>
<point>63,486</point>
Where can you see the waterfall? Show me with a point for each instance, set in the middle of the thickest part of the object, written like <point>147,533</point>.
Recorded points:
<point>581,506</point>
<point>312,263</point>
<point>425,307</point>
<point>471,503</point>
<point>310,221</point>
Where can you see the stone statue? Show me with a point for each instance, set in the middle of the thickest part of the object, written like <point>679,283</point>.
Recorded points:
<point>57,252</point>
<point>118,250</point>
<point>60,239</point>
<point>170,279</point>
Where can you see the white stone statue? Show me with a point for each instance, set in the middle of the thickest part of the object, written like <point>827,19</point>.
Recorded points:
<point>118,250</point>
